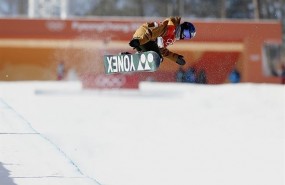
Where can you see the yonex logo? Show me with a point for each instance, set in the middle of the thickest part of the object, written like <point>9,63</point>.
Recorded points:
<point>144,63</point>
<point>122,63</point>
<point>130,63</point>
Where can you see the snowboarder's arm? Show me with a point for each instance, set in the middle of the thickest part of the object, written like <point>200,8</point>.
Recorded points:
<point>179,59</point>
<point>168,54</point>
<point>149,31</point>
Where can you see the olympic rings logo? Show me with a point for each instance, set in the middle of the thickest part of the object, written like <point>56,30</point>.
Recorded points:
<point>55,26</point>
<point>169,42</point>
<point>110,81</point>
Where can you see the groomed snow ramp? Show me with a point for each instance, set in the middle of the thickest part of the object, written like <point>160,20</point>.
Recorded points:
<point>159,134</point>
<point>28,158</point>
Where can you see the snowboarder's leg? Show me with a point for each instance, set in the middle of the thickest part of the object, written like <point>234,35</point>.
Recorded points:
<point>150,46</point>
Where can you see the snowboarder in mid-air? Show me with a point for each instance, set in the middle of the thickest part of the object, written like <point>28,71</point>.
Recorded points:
<point>154,36</point>
<point>151,40</point>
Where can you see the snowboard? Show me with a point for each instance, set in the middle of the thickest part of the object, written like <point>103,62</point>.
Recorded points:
<point>127,63</point>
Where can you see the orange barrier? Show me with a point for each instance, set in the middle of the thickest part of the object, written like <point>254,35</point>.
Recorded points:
<point>30,49</point>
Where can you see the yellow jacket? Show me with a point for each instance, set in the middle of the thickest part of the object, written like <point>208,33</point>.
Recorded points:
<point>150,31</point>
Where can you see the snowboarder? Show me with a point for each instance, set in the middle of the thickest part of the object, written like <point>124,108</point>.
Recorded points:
<point>154,36</point>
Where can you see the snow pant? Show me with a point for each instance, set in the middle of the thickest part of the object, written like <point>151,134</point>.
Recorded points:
<point>150,46</point>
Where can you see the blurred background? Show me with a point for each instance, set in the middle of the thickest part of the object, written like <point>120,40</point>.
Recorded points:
<point>236,41</point>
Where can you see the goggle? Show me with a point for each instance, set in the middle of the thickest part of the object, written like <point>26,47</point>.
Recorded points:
<point>188,35</point>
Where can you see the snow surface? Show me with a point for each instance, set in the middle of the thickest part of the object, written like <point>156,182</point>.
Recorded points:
<point>56,133</point>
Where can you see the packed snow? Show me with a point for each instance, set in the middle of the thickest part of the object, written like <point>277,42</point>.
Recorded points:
<point>56,133</point>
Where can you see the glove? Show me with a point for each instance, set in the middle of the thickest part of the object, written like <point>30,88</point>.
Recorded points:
<point>180,60</point>
<point>135,43</point>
